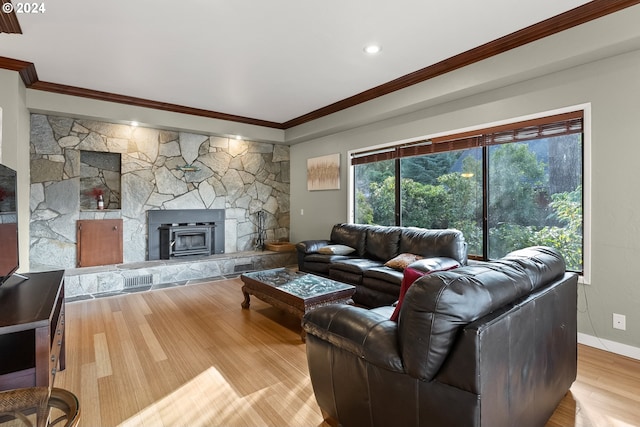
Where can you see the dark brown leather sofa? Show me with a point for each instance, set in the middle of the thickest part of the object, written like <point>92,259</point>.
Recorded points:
<point>376,284</point>
<point>490,344</point>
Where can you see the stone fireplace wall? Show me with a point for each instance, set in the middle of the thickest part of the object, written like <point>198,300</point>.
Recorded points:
<point>242,177</point>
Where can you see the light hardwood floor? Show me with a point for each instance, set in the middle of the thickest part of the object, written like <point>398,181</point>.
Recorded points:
<point>190,356</point>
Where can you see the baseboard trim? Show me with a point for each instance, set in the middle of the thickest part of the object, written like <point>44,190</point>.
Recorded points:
<point>610,346</point>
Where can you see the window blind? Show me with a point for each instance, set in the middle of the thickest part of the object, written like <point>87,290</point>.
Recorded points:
<point>544,127</point>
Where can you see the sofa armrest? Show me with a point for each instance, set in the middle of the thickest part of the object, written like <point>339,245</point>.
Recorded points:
<point>311,246</point>
<point>366,334</point>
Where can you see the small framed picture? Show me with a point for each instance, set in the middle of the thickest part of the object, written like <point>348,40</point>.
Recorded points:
<point>323,173</point>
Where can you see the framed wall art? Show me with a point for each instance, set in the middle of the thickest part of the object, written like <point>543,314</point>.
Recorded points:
<point>323,173</point>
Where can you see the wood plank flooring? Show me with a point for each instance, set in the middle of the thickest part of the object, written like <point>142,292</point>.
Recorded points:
<point>190,356</point>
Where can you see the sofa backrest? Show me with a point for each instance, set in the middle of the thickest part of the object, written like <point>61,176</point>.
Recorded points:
<point>437,305</point>
<point>528,347</point>
<point>352,235</point>
<point>429,243</point>
<point>382,243</point>
<point>385,242</point>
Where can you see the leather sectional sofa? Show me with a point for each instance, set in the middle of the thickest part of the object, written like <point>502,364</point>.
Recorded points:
<point>374,246</point>
<point>491,344</point>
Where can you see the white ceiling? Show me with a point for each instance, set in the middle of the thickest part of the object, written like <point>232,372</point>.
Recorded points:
<point>270,60</point>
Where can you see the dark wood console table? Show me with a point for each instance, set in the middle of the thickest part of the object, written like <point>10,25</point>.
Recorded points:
<point>32,346</point>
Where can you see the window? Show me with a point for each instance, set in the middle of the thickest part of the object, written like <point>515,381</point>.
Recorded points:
<point>504,187</point>
<point>375,193</point>
<point>444,190</point>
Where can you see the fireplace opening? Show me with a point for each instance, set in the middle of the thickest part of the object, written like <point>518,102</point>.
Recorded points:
<point>185,232</point>
<point>178,240</point>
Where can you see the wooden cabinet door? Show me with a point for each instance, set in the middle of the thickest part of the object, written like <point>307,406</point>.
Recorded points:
<point>99,242</point>
<point>9,242</point>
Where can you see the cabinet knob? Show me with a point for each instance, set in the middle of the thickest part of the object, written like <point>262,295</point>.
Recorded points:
<point>53,371</point>
<point>53,357</point>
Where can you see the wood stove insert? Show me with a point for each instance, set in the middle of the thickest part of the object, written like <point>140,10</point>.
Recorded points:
<point>186,239</point>
<point>185,232</point>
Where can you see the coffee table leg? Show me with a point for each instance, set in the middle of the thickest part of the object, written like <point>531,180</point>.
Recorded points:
<point>247,299</point>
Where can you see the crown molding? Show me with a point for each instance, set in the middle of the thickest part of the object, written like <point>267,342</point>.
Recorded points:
<point>26,69</point>
<point>580,15</point>
<point>147,103</point>
<point>9,21</point>
<point>577,16</point>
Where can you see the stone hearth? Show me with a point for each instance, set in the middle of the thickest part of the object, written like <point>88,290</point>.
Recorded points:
<point>91,282</point>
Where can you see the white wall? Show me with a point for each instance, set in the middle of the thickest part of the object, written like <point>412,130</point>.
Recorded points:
<point>611,85</point>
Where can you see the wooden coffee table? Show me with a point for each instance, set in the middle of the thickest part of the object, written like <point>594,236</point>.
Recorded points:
<point>295,292</point>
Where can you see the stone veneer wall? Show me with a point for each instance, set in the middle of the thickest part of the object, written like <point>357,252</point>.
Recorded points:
<point>241,177</point>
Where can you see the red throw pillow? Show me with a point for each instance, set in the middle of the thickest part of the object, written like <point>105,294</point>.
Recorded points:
<point>410,276</point>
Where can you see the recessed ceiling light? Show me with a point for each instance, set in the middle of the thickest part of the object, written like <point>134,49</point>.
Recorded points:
<point>372,49</point>
<point>134,123</point>
<point>238,137</point>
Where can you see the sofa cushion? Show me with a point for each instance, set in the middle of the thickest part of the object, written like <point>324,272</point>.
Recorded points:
<point>436,263</point>
<point>542,264</point>
<point>429,243</point>
<point>436,305</point>
<point>391,290</point>
<point>336,250</point>
<point>355,265</point>
<point>368,296</point>
<point>349,277</point>
<point>401,261</point>
<point>324,258</point>
<point>319,268</point>
<point>418,269</point>
<point>384,273</point>
<point>382,243</point>
<point>353,235</point>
